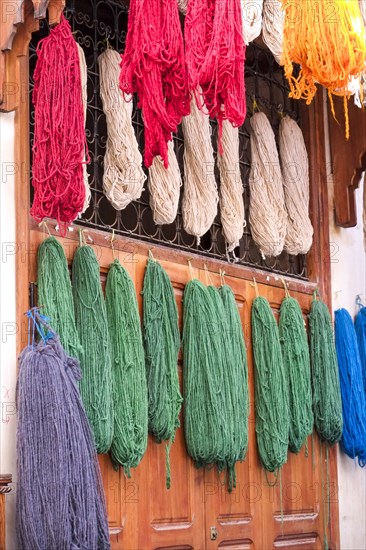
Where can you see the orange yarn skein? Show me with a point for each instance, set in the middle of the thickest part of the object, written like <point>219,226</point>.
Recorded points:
<point>327,39</point>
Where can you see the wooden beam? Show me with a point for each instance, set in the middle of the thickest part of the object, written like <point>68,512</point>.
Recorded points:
<point>348,159</point>
<point>19,16</point>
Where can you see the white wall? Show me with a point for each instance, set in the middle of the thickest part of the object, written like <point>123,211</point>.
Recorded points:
<point>348,269</point>
<point>7,316</point>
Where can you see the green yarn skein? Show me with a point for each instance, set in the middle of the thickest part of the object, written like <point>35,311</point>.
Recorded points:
<point>55,295</point>
<point>296,360</point>
<point>129,375</point>
<point>204,422</point>
<point>235,345</point>
<point>271,388</point>
<point>162,343</point>
<point>91,322</point>
<point>327,402</point>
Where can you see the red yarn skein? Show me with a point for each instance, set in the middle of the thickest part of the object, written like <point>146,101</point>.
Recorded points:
<point>59,136</point>
<point>215,55</point>
<point>153,66</point>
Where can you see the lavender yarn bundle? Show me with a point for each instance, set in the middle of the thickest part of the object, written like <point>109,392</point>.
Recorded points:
<point>60,499</point>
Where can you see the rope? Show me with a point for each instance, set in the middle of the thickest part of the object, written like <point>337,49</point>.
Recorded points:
<point>59,134</point>
<point>92,326</point>
<point>215,54</point>
<point>231,187</point>
<point>267,212</point>
<point>360,327</point>
<point>200,196</point>
<point>162,344</point>
<point>272,32</point>
<point>296,361</point>
<point>295,173</point>
<point>84,95</point>
<point>329,52</point>
<point>164,187</point>
<point>153,65</point>
<point>123,178</point>
<point>252,19</point>
<point>271,388</point>
<point>60,498</point>
<point>327,404</point>
<point>353,441</point>
<point>128,368</point>
<point>55,294</point>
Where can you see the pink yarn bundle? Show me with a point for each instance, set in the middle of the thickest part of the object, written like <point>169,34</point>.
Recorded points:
<point>215,55</point>
<point>153,66</point>
<point>59,137</point>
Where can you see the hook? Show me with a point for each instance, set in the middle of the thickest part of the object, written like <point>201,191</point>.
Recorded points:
<point>190,269</point>
<point>208,276</point>
<point>109,47</point>
<point>359,301</point>
<point>45,227</point>
<point>151,255</point>
<point>280,112</point>
<point>222,277</point>
<point>285,287</point>
<point>255,104</point>
<point>254,284</point>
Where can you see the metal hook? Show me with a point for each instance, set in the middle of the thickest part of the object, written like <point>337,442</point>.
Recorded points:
<point>43,224</point>
<point>285,287</point>
<point>254,284</point>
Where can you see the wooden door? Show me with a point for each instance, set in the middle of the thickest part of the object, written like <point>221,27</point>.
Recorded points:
<point>198,512</point>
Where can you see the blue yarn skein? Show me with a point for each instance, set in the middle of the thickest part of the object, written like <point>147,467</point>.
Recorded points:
<point>360,327</point>
<point>353,440</point>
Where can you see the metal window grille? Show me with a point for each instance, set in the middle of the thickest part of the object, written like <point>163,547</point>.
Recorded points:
<point>97,22</point>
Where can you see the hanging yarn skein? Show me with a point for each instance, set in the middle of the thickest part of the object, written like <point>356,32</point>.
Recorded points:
<point>360,327</point>
<point>84,92</point>
<point>273,22</point>
<point>215,55</point>
<point>205,429</point>
<point>271,388</point>
<point>129,375</point>
<point>267,211</point>
<point>162,343</point>
<point>200,196</point>
<point>295,173</point>
<point>123,178</point>
<point>231,188</point>
<point>328,52</point>
<point>353,441</point>
<point>60,497</point>
<point>153,65</point>
<point>91,322</point>
<point>55,295</point>
<point>235,357</point>
<point>59,134</point>
<point>327,404</point>
<point>164,186</point>
<point>252,19</point>
<point>296,361</point>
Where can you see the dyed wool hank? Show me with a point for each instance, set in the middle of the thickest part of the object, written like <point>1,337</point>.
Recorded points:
<point>91,322</point>
<point>59,136</point>
<point>129,375</point>
<point>153,66</point>
<point>215,55</point>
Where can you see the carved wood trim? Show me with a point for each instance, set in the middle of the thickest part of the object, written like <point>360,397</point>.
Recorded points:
<point>348,160</point>
<point>18,19</point>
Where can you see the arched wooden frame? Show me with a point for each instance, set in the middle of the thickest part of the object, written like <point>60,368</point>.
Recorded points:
<point>14,83</point>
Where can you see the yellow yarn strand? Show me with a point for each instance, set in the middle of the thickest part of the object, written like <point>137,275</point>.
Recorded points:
<point>328,41</point>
